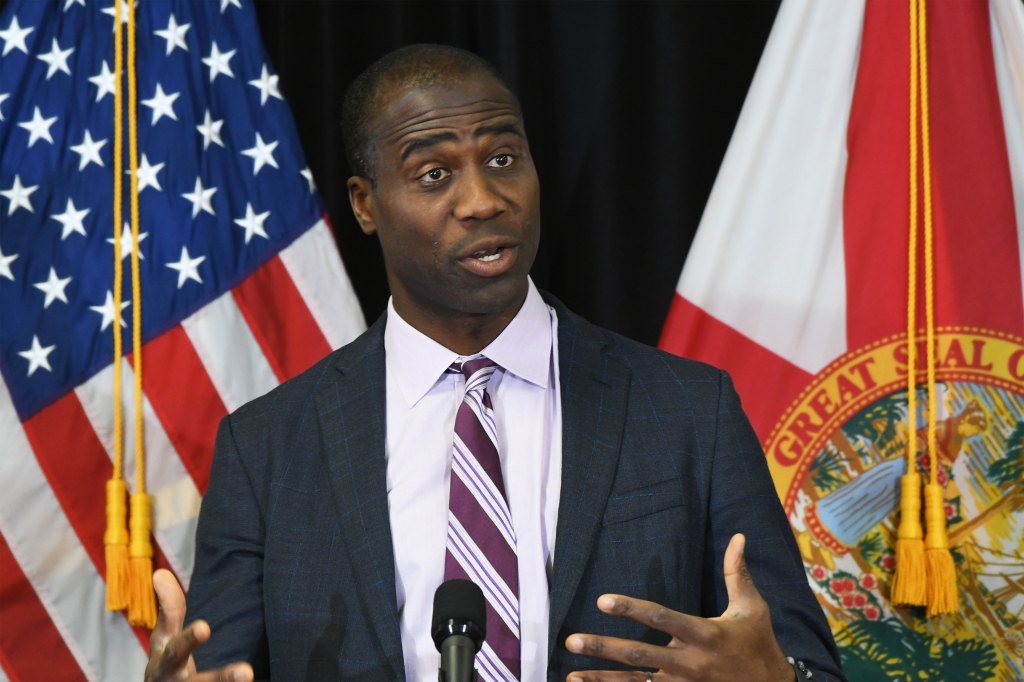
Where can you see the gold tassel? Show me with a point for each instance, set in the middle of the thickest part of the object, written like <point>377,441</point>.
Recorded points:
<point>942,589</point>
<point>142,602</point>
<point>909,581</point>
<point>115,541</point>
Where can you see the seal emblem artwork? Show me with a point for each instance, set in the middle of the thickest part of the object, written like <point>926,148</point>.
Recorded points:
<point>837,457</point>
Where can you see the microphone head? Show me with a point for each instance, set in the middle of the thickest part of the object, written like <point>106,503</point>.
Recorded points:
<point>459,610</point>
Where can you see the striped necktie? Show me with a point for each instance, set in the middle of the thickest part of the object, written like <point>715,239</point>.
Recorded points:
<point>481,540</point>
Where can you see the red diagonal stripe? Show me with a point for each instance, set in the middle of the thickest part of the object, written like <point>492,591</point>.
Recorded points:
<point>767,382</point>
<point>31,647</point>
<point>280,320</point>
<point>975,231</point>
<point>184,400</point>
<point>975,220</point>
<point>875,206</point>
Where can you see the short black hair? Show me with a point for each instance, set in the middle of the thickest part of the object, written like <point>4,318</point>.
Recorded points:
<point>412,66</point>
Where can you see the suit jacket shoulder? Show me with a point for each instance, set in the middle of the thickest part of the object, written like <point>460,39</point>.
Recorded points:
<point>294,568</point>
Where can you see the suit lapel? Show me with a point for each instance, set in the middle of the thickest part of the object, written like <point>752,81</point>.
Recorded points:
<point>352,415</point>
<point>594,390</point>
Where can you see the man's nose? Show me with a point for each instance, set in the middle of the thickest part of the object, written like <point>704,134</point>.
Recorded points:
<point>477,197</point>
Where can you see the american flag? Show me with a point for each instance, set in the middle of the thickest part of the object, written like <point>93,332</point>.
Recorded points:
<point>242,288</point>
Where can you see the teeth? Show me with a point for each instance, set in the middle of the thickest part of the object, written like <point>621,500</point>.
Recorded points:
<point>488,257</point>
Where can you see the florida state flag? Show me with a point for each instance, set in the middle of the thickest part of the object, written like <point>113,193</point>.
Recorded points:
<point>873,193</point>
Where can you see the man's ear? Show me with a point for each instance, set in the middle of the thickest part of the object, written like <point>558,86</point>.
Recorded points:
<point>360,196</point>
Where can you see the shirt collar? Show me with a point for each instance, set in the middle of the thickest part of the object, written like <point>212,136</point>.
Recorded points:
<point>523,348</point>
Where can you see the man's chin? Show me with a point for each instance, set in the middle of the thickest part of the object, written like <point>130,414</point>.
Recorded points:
<point>499,297</point>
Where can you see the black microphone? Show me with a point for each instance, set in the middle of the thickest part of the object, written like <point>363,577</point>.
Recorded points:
<point>458,627</point>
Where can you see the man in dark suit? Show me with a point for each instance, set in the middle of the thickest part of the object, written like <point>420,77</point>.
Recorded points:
<point>663,492</point>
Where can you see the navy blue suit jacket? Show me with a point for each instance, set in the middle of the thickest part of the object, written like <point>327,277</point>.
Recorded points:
<point>294,564</point>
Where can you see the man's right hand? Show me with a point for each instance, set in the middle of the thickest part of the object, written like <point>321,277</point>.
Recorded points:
<point>170,647</point>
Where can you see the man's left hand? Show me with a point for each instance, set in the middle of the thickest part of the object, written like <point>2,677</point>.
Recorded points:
<point>738,645</point>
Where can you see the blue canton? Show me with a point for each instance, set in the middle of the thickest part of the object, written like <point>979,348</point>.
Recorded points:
<point>222,182</point>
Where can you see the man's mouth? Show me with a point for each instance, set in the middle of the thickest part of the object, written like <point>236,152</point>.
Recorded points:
<point>490,259</point>
<point>488,255</point>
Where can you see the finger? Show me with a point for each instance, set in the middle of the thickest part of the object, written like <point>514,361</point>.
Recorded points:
<point>632,653</point>
<point>738,583</point>
<point>239,672</point>
<point>683,627</point>
<point>170,611</point>
<point>177,649</point>
<point>608,676</point>
<point>171,602</point>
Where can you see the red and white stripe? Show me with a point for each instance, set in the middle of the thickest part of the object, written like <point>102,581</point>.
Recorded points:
<point>53,623</point>
<point>800,255</point>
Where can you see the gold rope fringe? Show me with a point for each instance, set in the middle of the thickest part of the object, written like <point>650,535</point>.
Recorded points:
<point>142,603</point>
<point>942,588</point>
<point>115,541</point>
<point>910,580</point>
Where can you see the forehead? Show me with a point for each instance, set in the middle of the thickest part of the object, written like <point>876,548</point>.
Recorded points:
<point>457,107</point>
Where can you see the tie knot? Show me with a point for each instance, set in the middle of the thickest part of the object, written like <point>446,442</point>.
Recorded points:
<point>477,371</point>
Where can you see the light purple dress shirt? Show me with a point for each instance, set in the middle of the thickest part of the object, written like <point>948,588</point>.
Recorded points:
<point>421,404</point>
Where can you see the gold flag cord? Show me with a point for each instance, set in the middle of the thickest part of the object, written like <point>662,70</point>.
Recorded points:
<point>942,589</point>
<point>925,574</point>
<point>142,602</point>
<point>115,539</point>
<point>129,553</point>
<point>910,581</point>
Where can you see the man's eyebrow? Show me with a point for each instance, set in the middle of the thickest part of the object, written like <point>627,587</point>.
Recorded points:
<point>498,129</point>
<point>483,131</point>
<point>426,142</point>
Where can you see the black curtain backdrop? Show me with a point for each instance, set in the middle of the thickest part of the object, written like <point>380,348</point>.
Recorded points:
<point>629,107</point>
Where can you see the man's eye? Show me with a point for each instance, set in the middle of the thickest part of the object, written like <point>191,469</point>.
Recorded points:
<point>501,161</point>
<point>435,175</point>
